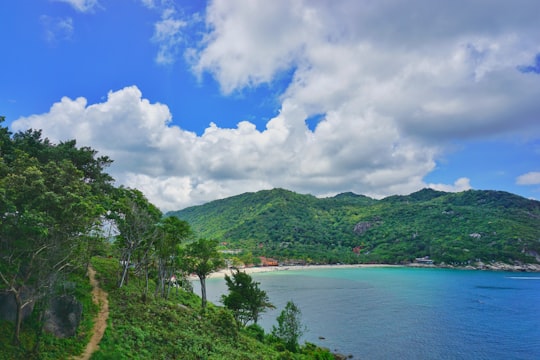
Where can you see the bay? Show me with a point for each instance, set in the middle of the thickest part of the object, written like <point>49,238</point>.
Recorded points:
<point>408,313</point>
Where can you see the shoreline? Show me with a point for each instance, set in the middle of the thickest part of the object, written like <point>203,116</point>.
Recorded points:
<point>263,269</point>
<point>480,267</point>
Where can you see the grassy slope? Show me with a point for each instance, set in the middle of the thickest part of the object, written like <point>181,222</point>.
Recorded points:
<point>168,329</point>
<point>152,329</point>
<point>175,328</point>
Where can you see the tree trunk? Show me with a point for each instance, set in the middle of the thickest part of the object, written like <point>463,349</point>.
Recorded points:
<point>18,319</point>
<point>123,279</point>
<point>168,284</point>
<point>147,279</point>
<point>202,279</point>
<point>163,278</point>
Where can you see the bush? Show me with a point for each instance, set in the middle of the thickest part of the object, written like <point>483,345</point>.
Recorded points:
<point>290,328</point>
<point>256,332</point>
<point>224,323</point>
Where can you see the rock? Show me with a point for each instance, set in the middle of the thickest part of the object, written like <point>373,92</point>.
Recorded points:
<point>8,308</point>
<point>63,316</point>
<point>338,356</point>
<point>362,227</point>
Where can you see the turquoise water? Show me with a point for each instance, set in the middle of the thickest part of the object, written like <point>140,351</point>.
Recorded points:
<point>407,313</point>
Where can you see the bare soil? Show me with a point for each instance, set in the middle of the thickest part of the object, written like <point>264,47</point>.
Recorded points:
<point>99,296</point>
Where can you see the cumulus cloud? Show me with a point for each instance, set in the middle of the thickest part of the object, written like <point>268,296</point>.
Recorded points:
<point>460,184</point>
<point>82,5</point>
<point>176,168</point>
<point>392,83</point>
<point>530,178</point>
<point>439,70</point>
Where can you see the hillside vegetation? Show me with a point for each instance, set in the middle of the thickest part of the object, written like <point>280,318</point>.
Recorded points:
<point>451,228</point>
<point>60,217</point>
<point>177,328</point>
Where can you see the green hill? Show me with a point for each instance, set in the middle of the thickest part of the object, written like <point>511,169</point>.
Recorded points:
<point>150,327</point>
<point>451,228</point>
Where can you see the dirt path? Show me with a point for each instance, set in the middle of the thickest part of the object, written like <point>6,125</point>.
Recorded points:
<point>100,322</point>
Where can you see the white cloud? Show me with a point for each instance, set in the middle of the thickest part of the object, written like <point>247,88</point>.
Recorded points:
<point>395,82</point>
<point>167,34</point>
<point>440,71</point>
<point>149,3</point>
<point>176,168</point>
<point>530,178</point>
<point>57,29</point>
<point>275,30</point>
<point>82,5</point>
<point>168,31</point>
<point>460,184</point>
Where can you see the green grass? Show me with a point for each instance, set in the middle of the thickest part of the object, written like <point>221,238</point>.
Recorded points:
<point>176,328</point>
<point>150,328</point>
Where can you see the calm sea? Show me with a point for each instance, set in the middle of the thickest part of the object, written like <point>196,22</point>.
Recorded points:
<point>407,313</point>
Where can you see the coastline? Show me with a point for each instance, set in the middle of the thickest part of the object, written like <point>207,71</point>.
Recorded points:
<point>262,269</point>
<point>479,266</point>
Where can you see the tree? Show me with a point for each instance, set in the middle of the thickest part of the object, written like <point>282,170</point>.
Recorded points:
<point>48,208</point>
<point>245,299</point>
<point>136,219</point>
<point>171,232</point>
<point>202,258</point>
<point>290,327</point>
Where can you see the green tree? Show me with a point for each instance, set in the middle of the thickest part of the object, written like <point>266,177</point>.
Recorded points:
<point>171,232</point>
<point>48,209</point>
<point>246,300</point>
<point>290,327</point>
<point>136,219</point>
<point>202,258</point>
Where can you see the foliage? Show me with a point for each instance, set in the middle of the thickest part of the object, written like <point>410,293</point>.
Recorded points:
<point>58,208</point>
<point>156,329</point>
<point>135,219</point>
<point>169,328</point>
<point>255,331</point>
<point>245,299</point>
<point>315,352</point>
<point>201,257</point>
<point>171,232</point>
<point>454,228</point>
<point>289,328</point>
<point>52,198</point>
<point>36,344</point>
<point>176,328</point>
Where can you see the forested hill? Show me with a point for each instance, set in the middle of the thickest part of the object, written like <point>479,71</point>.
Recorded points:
<point>449,227</point>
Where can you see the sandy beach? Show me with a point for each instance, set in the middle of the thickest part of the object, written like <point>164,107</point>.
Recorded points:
<point>261,269</point>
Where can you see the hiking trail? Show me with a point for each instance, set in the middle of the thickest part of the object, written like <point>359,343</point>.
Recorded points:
<point>99,297</point>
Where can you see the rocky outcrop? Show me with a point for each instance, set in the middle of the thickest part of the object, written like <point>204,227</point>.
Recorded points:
<point>63,316</point>
<point>499,266</point>
<point>8,307</point>
<point>532,253</point>
<point>338,356</point>
<point>362,227</point>
<point>494,266</point>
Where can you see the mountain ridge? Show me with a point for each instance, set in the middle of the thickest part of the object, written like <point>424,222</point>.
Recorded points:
<point>459,228</point>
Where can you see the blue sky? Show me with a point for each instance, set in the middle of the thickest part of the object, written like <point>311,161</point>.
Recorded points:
<point>200,100</point>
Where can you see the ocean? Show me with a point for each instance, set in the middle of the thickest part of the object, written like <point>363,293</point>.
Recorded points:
<point>408,313</point>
